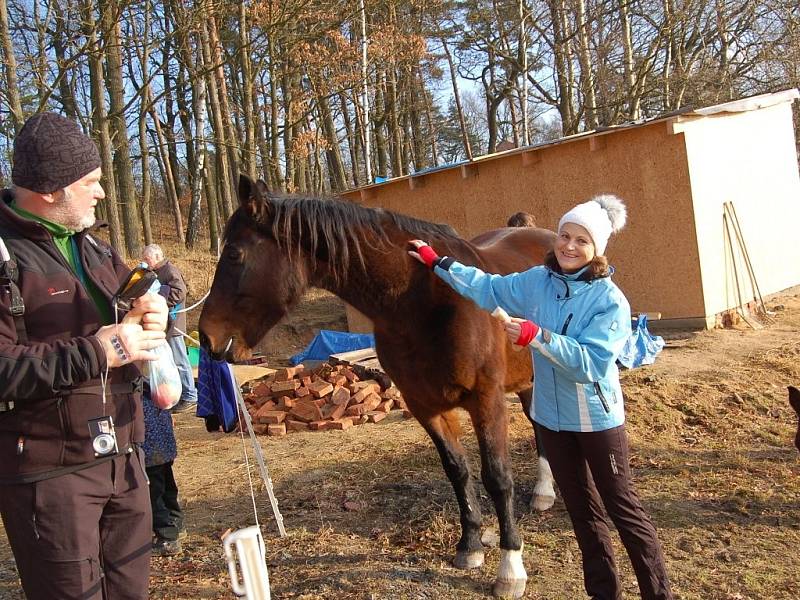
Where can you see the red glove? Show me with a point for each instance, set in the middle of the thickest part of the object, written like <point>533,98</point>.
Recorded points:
<point>428,255</point>
<point>528,331</point>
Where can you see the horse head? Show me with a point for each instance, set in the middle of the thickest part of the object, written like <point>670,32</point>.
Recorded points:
<point>794,400</point>
<point>256,282</point>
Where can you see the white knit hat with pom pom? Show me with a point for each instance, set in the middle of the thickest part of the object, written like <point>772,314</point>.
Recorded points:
<point>601,216</point>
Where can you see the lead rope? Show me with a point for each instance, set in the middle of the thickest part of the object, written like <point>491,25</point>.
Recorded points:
<point>245,415</point>
<point>245,547</point>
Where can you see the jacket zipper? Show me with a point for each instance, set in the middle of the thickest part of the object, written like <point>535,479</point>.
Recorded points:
<point>62,417</point>
<point>566,324</point>
<point>599,391</point>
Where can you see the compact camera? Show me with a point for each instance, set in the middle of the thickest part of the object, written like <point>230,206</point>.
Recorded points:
<point>104,438</point>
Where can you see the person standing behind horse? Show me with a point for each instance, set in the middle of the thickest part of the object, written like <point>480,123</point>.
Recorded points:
<point>160,452</point>
<point>173,288</point>
<point>73,491</point>
<point>575,321</point>
<point>521,219</point>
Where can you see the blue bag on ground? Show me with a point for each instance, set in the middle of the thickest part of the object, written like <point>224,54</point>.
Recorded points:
<point>642,347</point>
<point>328,342</point>
<point>216,394</point>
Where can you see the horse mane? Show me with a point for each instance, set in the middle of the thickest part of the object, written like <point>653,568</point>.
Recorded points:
<point>337,228</point>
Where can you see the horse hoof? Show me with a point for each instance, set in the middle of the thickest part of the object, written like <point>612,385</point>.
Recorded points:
<point>514,588</point>
<point>468,560</point>
<point>543,503</point>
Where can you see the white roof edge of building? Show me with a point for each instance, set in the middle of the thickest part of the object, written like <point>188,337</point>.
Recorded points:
<point>681,115</point>
<point>748,104</point>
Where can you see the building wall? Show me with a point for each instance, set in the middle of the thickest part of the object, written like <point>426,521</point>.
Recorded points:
<point>656,255</point>
<point>749,159</point>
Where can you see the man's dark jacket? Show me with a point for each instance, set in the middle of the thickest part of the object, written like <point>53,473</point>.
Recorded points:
<point>54,378</point>
<point>173,288</point>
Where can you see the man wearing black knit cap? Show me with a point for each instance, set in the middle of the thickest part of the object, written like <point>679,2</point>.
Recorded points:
<point>73,495</point>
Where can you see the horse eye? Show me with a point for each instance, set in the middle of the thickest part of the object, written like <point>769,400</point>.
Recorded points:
<point>234,254</point>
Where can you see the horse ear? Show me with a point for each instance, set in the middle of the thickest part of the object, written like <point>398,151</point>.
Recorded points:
<point>254,198</point>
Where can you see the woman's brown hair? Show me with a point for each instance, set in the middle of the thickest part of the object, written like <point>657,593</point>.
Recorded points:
<point>598,266</point>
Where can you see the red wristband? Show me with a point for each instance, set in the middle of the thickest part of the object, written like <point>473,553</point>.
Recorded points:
<point>428,255</point>
<point>528,331</point>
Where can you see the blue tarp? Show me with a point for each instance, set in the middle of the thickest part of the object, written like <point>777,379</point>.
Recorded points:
<point>642,347</point>
<point>328,342</point>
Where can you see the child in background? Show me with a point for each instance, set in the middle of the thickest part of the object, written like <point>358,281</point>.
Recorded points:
<point>160,450</point>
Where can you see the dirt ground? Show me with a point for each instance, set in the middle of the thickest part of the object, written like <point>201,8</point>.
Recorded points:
<point>370,515</point>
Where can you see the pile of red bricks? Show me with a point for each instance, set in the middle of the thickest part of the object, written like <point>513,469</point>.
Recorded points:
<point>329,397</point>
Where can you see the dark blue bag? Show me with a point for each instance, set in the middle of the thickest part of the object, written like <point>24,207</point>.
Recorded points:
<point>216,394</point>
<point>642,347</point>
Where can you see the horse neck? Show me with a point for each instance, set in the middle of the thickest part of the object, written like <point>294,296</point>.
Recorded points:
<point>379,289</point>
<point>372,288</point>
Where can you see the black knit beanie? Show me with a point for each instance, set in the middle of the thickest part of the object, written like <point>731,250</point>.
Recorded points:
<point>51,152</point>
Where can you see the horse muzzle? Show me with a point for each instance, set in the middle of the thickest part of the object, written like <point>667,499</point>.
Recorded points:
<point>216,353</point>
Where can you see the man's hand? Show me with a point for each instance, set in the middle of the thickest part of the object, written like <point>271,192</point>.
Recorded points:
<point>424,253</point>
<point>128,342</point>
<point>520,331</point>
<point>150,311</point>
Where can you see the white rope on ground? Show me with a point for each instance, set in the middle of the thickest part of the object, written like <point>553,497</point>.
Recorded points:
<point>259,458</point>
<point>243,413</point>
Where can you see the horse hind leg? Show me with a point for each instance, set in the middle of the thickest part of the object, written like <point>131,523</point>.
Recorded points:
<point>490,420</point>
<point>444,430</point>
<point>544,494</point>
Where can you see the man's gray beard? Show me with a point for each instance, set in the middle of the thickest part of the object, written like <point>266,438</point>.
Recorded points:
<point>73,222</point>
<point>66,218</point>
<point>85,222</point>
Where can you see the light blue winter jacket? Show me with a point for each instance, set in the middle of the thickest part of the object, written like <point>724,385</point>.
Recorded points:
<point>584,326</point>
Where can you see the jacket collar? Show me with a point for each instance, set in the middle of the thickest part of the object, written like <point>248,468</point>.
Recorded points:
<point>573,283</point>
<point>29,228</point>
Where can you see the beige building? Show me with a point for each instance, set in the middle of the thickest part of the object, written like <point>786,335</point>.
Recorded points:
<point>680,253</point>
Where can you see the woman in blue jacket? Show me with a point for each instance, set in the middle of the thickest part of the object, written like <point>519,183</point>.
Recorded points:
<point>575,321</point>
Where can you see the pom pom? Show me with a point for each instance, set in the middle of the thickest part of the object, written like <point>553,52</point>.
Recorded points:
<point>614,207</point>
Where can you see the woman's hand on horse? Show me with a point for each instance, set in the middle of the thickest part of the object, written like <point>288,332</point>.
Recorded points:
<point>520,331</point>
<point>424,253</point>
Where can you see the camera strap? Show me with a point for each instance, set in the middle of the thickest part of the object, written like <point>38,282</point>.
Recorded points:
<point>9,274</point>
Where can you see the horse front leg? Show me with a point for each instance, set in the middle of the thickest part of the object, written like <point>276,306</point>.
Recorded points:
<point>490,420</point>
<point>444,430</point>
<point>544,494</point>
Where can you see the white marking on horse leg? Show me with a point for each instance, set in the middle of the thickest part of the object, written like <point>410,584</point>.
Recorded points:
<point>544,495</point>
<point>511,575</point>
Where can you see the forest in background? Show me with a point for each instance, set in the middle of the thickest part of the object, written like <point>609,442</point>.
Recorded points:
<point>318,96</point>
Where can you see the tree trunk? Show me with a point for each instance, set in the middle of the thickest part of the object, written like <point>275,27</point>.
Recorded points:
<point>627,47</point>
<point>10,62</point>
<point>351,141</point>
<point>332,153</point>
<point>122,154</point>
<point>462,122</point>
<point>587,69</point>
<point>230,148</point>
<point>193,227</point>
<point>249,151</point>
<point>100,122</point>
<point>217,119</point>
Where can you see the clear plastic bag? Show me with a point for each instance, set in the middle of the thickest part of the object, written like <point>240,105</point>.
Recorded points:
<point>165,380</point>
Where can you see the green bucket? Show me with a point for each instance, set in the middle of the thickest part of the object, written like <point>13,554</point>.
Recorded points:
<point>194,355</point>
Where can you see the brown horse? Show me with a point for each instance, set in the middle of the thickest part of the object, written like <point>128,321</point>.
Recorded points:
<point>794,400</point>
<point>442,351</point>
